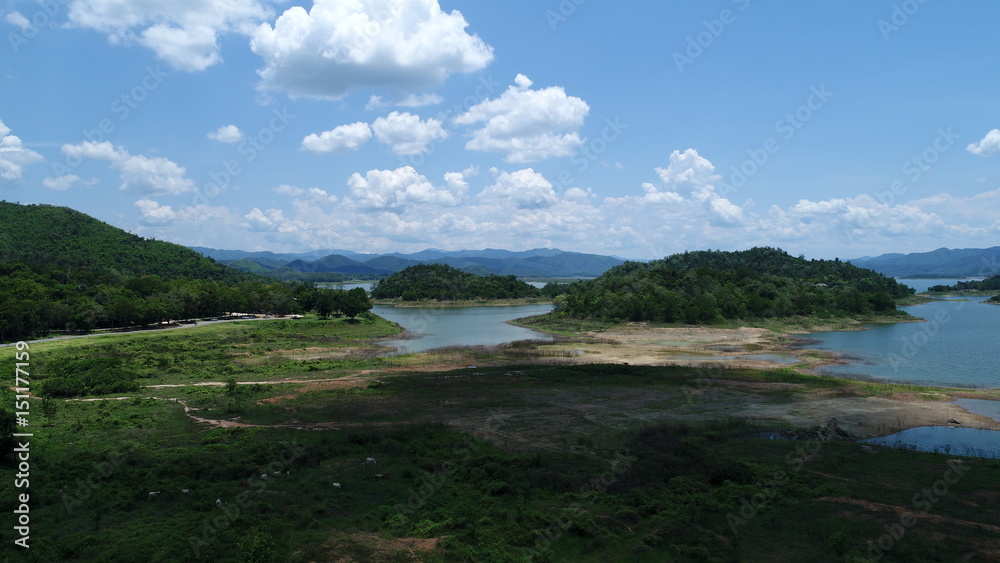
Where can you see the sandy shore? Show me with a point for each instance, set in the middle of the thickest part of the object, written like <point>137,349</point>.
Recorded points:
<point>639,344</point>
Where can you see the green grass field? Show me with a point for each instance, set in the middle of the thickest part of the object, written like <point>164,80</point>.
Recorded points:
<point>495,463</point>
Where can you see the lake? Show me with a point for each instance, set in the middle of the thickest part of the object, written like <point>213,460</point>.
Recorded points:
<point>944,439</point>
<point>953,348</point>
<point>951,440</point>
<point>437,327</point>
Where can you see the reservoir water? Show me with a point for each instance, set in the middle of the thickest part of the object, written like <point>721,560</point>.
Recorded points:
<point>954,347</point>
<point>436,327</point>
<point>944,439</point>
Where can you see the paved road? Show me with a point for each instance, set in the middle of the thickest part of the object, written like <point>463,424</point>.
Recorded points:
<point>200,323</point>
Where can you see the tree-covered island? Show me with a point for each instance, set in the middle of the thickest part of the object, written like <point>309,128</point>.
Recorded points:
<point>706,287</point>
<point>440,282</point>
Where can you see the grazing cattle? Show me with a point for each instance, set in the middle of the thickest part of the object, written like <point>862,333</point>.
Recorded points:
<point>381,475</point>
<point>218,502</point>
<point>153,494</point>
<point>370,460</point>
<point>336,486</point>
<point>277,474</point>
<point>185,491</point>
<point>263,476</point>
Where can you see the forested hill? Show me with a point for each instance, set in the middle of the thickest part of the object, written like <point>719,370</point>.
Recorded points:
<point>61,270</point>
<point>60,236</point>
<point>710,286</point>
<point>445,283</point>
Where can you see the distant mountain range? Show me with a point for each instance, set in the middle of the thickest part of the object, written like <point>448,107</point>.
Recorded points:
<point>540,263</point>
<point>940,263</point>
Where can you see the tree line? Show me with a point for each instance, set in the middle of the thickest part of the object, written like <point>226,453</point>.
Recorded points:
<point>991,283</point>
<point>711,286</point>
<point>36,300</point>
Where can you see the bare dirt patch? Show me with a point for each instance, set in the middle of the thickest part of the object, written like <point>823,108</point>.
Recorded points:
<point>641,344</point>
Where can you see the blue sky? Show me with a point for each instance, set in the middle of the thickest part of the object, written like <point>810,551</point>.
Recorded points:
<point>638,129</point>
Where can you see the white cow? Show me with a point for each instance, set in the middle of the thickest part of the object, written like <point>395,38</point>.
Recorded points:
<point>336,486</point>
<point>370,460</point>
<point>218,502</point>
<point>153,494</point>
<point>185,491</point>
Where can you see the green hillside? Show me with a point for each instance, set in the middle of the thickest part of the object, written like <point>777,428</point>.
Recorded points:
<point>62,270</point>
<point>47,234</point>
<point>712,286</point>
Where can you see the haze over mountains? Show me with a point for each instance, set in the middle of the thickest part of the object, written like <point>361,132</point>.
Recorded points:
<point>549,262</point>
<point>541,262</point>
<point>940,263</point>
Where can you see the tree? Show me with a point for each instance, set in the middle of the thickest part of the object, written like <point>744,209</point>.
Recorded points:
<point>355,302</point>
<point>231,386</point>
<point>328,302</point>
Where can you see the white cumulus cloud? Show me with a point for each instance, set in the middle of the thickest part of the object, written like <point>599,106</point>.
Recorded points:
<point>13,155</point>
<point>152,213</point>
<point>987,146</point>
<point>311,195</point>
<point>17,19</point>
<point>265,220</point>
<point>339,139</point>
<point>523,189</point>
<point>139,173</point>
<point>226,134</point>
<point>528,125</point>
<point>339,46</point>
<point>184,34</point>
<point>397,189</point>
<point>408,101</point>
<point>61,183</point>
<point>408,134</point>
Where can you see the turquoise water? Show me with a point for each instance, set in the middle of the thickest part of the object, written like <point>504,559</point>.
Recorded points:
<point>437,327</point>
<point>981,406</point>
<point>952,440</point>
<point>954,347</point>
<point>944,439</point>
